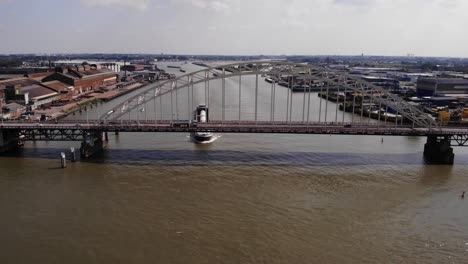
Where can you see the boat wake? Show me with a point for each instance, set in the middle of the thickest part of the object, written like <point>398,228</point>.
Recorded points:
<point>212,139</point>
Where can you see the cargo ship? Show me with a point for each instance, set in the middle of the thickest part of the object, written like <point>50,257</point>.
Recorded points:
<point>201,116</point>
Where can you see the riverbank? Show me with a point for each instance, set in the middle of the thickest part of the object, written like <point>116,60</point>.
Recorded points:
<point>370,111</point>
<point>59,112</point>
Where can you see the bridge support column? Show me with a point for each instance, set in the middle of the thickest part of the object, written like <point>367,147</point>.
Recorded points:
<point>437,150</point>
<point>93,143</point>
<point>9,141</point>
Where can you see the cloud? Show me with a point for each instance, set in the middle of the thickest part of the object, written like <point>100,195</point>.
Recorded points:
<point>213,5</point>
<point>355,2</point>
<point>135,4</point>
<point>142,5</point>
<point>295,16</point>
<point>450,4</point>
<point>387,27</point>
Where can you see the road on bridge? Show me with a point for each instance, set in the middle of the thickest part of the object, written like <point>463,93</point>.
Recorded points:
<point>239,127</point>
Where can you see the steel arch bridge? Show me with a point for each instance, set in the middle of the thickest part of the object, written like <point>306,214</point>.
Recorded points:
<point>310,77</point>
<point>250,112</point>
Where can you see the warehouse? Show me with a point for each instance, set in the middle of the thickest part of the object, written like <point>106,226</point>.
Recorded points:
<point>84,78</point>
<point>441,87</point>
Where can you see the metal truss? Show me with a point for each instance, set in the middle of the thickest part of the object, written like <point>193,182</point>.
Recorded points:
<point>68,132</point>
<point>330,78</point>
<point>459,140</point>
<point>51,134</point>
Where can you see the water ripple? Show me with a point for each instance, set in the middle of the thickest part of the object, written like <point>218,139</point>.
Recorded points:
<point>233,158</point>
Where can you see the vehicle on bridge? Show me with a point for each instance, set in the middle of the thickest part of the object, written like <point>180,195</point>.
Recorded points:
<point>184,123</point>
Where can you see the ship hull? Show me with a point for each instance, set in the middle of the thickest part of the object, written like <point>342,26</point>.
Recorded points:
<point>202,138</point>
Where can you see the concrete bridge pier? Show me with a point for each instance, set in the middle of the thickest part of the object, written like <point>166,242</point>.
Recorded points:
<point>93,143</point>
<point>437,150</point>
<point>9,140</point>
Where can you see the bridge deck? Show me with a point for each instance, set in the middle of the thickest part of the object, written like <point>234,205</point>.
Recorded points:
<point>239,127</point>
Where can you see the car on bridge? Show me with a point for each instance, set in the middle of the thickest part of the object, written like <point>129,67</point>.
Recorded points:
<point>184,123</point>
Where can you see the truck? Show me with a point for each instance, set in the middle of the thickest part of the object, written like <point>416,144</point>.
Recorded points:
<point>184,123</point>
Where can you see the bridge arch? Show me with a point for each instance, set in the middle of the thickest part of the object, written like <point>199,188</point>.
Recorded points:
<point>326,77</point>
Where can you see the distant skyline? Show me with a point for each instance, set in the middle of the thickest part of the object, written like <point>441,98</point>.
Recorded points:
<point>236,27</point>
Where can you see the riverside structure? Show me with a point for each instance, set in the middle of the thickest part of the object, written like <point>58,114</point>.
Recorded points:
<point>176,99</point>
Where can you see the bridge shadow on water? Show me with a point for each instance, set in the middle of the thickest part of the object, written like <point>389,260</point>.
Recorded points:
<point>233,158</point>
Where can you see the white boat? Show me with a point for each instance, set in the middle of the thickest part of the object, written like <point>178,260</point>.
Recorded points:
<point>201,115</point>
<point>203,137</point>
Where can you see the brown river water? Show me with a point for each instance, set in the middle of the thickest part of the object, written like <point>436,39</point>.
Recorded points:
<point>246,198</point>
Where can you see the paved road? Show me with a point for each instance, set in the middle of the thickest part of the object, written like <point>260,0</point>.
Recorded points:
<point>239,127</point>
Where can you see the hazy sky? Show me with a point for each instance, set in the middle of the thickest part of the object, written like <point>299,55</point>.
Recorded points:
<point>308,27</point>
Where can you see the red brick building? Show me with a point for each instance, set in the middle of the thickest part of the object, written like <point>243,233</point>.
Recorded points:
<point>38,76</point>
<point>83,78</point>
<point>132,68</point>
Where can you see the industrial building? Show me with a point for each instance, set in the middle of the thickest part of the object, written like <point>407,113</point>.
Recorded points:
<point>44,88</point>
<point>38,76</point>
<point>30,92</point>
<point>67,92</point>
<point>442,87</point>
<point>389,84</point>
<point>12,84</point>
<point>33,95</point>
<point>83,78</point>
<point>147,75</point>
<point>132,68</point>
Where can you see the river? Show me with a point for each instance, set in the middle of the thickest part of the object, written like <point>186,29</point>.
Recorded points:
<point>247,198</point>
